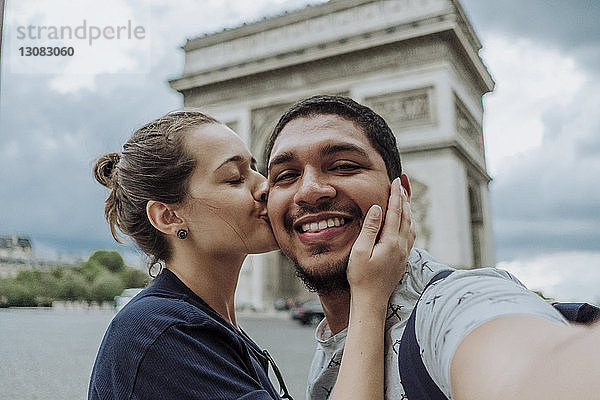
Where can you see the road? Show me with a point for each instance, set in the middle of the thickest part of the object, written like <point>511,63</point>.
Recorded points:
<point>290,344</point>
<point>47,354</point>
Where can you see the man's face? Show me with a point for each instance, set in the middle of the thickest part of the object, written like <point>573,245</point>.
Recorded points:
<point>323,177</point>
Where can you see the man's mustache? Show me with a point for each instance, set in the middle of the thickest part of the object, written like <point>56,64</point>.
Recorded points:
<point>351,209</point>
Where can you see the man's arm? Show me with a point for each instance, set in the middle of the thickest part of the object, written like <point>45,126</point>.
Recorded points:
<point>525,357</point>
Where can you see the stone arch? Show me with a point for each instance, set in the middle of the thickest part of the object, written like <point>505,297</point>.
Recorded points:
<point>263,121</point>
<point>419,209</point>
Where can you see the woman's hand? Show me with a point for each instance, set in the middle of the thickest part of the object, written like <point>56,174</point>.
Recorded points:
<point>375,268</point>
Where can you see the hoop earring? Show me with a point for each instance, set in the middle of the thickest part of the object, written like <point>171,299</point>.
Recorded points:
<point>182,234</point>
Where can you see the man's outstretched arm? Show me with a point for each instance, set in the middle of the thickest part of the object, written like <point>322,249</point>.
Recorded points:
<point>525,357</point>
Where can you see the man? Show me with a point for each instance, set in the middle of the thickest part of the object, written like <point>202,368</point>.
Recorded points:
<point>483,335</point>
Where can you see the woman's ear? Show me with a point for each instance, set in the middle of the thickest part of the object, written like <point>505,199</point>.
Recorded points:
<point>163,218</point>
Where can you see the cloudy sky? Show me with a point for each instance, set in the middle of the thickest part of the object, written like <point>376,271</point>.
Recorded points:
<point>542,124</point>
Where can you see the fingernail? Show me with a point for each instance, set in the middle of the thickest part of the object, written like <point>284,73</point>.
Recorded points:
<point>376,213</point>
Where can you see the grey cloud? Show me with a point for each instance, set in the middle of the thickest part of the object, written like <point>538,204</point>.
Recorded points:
<point>570,26</point>
<point>50,140</point>
<point>48,190</point>
<point>549,198</point>
<point>568,23</point>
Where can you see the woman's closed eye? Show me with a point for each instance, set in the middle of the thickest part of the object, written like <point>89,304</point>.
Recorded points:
<point>237,181</point>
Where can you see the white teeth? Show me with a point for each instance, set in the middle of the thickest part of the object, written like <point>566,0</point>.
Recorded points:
<point>331,222</point>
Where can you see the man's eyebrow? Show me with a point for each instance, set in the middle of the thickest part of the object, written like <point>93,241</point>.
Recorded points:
<point>342,147</point>
<point>281,158</point>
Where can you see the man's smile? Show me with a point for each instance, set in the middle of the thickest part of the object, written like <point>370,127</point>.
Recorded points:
<point>323,227</point>
<point>324,224</point>
<point>320,221</point>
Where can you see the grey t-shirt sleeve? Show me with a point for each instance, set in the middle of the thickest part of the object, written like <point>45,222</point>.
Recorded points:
<point>451,308</point>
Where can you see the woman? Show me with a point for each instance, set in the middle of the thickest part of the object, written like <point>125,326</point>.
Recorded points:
<point>186,190</point>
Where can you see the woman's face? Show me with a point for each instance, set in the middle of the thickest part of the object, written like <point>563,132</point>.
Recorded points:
<point>225,210</point>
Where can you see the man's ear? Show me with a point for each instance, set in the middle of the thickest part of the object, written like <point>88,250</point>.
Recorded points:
<point>163,218</point>
<point>405,184</point>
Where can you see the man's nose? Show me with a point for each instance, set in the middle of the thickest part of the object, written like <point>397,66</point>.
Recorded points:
<point>313,187</point>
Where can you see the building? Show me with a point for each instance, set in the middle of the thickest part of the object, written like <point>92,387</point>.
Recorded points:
<point>15,247</point>
<point>16,254</point>
<point>415,62</point>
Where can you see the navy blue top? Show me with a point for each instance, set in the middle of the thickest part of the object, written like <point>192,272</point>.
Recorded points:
<point>167,343</point>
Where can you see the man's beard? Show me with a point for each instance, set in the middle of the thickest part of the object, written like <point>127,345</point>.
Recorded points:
<point>328,279</point>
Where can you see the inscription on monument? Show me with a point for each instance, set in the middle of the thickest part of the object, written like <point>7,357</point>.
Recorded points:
<point>386,58</point>
<point>466,125</point>
<point>404,109</point>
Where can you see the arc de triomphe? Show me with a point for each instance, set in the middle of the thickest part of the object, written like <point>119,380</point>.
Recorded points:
<point>415,62</point>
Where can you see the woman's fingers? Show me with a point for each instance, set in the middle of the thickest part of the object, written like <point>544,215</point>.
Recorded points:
<point>377,265</point>
<point>406,220</point>
<point>363,246</point>
<point>393,216</point>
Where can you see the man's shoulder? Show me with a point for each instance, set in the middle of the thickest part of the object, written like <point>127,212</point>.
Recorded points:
<point>420,261</point>
<point>420,269</point>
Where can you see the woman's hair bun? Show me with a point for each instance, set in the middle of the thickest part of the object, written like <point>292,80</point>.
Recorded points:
<point>105,168</point>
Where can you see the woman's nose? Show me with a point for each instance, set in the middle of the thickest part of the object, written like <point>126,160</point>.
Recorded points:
<point>262,191</point>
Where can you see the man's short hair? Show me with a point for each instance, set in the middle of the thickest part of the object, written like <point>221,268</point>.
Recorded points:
<point>373,125</point>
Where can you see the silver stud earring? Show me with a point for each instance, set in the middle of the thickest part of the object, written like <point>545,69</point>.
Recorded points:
<point>182,234</point>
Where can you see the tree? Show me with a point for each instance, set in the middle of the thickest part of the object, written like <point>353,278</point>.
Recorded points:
<point>134,278</point>
<point>539,293</point>
<point>110,259</point>
<point>105,287</point>
<point>73,287</point>
<point>16,294</point>
<point>40,284</point>
<point>91,269</point>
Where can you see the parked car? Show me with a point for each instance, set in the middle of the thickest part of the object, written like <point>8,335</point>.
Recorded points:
<point>124,298</point>
<point>284,304</point>
<point>310,312</point>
